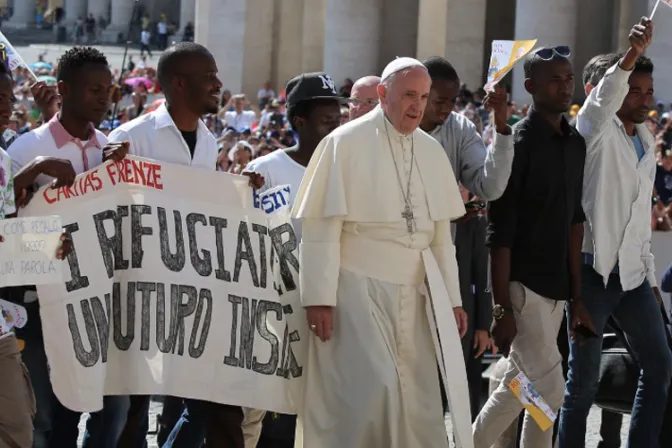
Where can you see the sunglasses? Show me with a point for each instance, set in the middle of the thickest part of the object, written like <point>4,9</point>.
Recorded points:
<point>549,53</point>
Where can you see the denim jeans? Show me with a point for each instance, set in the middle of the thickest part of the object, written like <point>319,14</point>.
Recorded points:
<point>103,428</point>
<point>638,314</point>
<point>220,423</point>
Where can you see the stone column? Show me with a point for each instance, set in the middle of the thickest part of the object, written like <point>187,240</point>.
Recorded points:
<point>288,40</point>
<point>100,8</point>
<point>660,50</point>
<point>312,55</point>
<point>552,22</point>
<point>398,34</point>
<point>122,14</point>
<point>187,13</point>
<point>74,9</point>
<point>258,47</point>
<point>352,39</point>
<point>220,26</point>
<point>465,40</point>
<point>24,15</point>
<point>432,28</point>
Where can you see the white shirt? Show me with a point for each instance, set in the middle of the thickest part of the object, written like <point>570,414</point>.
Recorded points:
<point>263,93</point>
<point>280,169</point>
<point>155,136</point>
<point>163,28</point>
<point>240,121</point>
<point>617,186</point>
<point>144,37</point>
<point>52,140</point>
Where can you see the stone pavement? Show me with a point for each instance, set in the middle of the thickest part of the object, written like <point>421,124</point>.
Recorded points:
<point>592,436</point>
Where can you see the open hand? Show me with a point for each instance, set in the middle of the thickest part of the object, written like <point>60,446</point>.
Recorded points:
<point>482,342</point>
<point>321,321</point>
<point>641,35</point>
<point>115,151</point>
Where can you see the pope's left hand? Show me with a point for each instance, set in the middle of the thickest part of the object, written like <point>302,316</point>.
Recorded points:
<point>461,319</point>
<point>115,151</point>
<point>65,248</point>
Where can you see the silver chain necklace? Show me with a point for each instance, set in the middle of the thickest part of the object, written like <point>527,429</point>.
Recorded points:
<point>407,214</point>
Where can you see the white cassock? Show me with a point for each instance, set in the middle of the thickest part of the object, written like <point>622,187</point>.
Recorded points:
<point>375,384</point>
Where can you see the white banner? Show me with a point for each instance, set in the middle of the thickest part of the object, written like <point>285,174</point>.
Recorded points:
<point>28,252</point>
<point>177,286</point>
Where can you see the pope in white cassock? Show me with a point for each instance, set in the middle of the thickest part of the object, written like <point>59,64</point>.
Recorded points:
<point>376,204</point>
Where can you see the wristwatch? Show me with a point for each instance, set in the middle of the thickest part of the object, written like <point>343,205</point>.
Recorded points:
<point>498,311</point>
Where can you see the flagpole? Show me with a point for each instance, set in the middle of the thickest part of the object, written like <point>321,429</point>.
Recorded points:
<point>654,9</point>
<point>123,61</point>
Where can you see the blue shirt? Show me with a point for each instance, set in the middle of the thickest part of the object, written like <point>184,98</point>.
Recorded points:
<point>639,146</point>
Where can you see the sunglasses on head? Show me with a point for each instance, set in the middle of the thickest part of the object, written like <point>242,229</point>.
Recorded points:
<point>548,53</point>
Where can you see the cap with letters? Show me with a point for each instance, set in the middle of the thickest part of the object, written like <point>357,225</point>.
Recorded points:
<point>311,86</point>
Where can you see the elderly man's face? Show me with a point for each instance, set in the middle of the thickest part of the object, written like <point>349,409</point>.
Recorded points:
<point>404,99</point>
<point>363,100</point>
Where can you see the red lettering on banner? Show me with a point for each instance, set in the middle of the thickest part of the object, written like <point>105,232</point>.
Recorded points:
<point>137,172</point>
<point>83,185</point>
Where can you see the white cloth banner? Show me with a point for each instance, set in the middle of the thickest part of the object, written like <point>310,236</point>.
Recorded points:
<point>177,286</point>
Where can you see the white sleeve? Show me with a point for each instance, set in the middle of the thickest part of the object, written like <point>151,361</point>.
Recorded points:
<point>319,261</point>
<point>443,250</point>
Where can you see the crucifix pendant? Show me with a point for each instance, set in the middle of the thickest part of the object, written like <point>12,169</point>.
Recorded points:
<point>407,214</point>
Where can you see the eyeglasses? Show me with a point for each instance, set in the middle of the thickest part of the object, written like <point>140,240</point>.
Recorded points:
<point>549,53</point>
<point>358,102</point>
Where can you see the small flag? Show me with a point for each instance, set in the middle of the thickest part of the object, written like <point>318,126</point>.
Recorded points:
<point>655,7</point>
<point>532,401</point>
<point>11,58</point>
<point>505,54</point>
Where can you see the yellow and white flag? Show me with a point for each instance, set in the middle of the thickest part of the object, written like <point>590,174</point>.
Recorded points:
<point>505,54</point>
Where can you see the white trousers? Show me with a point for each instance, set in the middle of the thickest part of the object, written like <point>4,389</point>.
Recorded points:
<point>535,351</point>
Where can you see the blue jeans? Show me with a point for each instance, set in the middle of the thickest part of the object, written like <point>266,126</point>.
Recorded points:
<point>638,314</point>
<point>221,423</point>
<point>103,428</point>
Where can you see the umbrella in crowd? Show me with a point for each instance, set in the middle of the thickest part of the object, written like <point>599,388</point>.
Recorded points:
<point>50,80</point>
<point>134,82</point>
<point>37,66</point>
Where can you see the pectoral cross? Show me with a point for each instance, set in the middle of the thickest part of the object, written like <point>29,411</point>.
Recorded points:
<point>407,214</point>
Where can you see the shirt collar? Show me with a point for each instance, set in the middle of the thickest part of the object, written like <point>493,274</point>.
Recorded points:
<point>544,126</point>
<point>162,119</point>
<point>640,130</point>
<point>63,137</point>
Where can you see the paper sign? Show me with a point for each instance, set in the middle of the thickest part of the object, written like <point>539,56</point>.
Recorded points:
<point>533,403</point>
<point>505,54</point>
<point>28,254</point>
<point>15,316</point>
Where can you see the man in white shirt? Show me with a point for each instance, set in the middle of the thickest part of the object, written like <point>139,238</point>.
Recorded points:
<point>618,272</point>
<point>313,110</point>
<point>175,133</point>
<point>145,37</point>
<point>239,118</point>
<point>55,152</point>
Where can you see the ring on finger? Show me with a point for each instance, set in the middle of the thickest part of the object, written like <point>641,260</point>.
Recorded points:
<point>313,327</point>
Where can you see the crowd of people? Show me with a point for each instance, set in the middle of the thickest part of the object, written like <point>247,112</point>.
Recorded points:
<point>376,384</point>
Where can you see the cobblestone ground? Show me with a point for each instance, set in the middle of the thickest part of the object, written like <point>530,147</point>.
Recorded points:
<point>592,437</point>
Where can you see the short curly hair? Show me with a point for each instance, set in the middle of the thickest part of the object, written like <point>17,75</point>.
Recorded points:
<point>73,60</point>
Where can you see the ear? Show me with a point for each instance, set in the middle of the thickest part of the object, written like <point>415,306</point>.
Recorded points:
<point>382,92</point>
<point>529,86</point>
<point>588,88</point>
<point>62,88</point>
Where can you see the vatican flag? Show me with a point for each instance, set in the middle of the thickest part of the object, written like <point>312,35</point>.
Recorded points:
<point>505,54</point>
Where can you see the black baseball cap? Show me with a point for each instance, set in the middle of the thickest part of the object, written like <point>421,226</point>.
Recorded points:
<point>311,86</point>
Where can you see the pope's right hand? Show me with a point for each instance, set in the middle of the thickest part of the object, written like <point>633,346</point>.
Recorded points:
<point>321,321</point>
